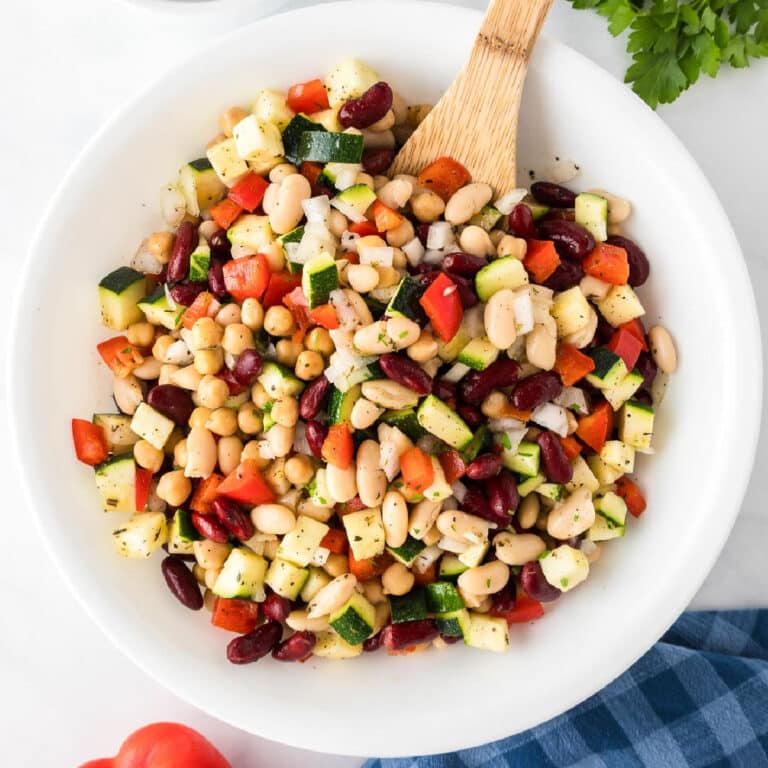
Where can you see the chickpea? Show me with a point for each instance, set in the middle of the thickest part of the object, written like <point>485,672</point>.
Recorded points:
<point>427,207</point>
<point>401,234</point>
<point>167,371</point>
<point>161,346</point>
<point>209,361</point>
<point>319,340</point>
<point>260,396</point>
<point>337,223</point>
<point>147,456</point>
<point>249,419</point>
<point>287,352</point>
<point>252,314</point>
<point>286,411</point>
<point>252,452</point>
<point>237,338</point>
<point>280,440</point>
<point>336,565</point>
<point>299,470</point>
<point>362,277</point>
<point>388,276</point>
<point>278,321</point>
<point>229,450</point>
<point>399,259</point>
<point>160,245</point>
<point>424,348</point>
<point>309,365</point>
<point>199,417</point>
<point>174,488</point>
<point>275,477</point>
<point>475,240</point>
<point>230,118</point>
<point>228,314</point>
<point>397,580</point>
<point>180,454</point>
<point>512,246</point>
<point>212,392</point>
<point>141,334</point>
<point>222,421</point>
<point>206,333</point>
<point>279,172</point>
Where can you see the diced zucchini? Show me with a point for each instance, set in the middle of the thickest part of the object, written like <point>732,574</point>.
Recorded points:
<point>582,476</point>
<point>279,381</point>
<point>443,422</point>
<point>355,620</point>
<point>325,147</point>
<point>408,551</point>
<point>591,212</point>
<point>298,545</point>
<point>409,607</point>
<point>226,162</point>
<point>152,425</point>
<point>564,567</point>
<point>316,580</point>
<point>604,474</point>
<point>537,209</point>
<point>242,575</point>
<point>530,484</point>
<point>604,530</point>
<point>182,534</point>
<point>481,440</point>
<point>571,311</point>
<point>478,354</point>
<point>116,482</point>
<point>319,277</point>
<point>609,368</point>
<point>443,597</point>
<point>506,272</point>
<point>553,491</point>
<point>618,455</point>
<point>259,143</point>
<point>286,578</point>
<point>293,133</point>
<point>354,201</point>
<point>451,567</point>
<point>620,305</point>
<point>200,262</point>
<point>624,390</point>
<point>251,232</point>
<point>271,107</point>
<point>141,535</point>
<point>405,302</point>
<point>349,79</point>
<point>117,430</point>
<point>119,295</point>
<point>329,645</point>
<point>612,507</point>
<point>487,218</point>
<point>365,533</point>
<point>487,632</point>
<point>158,310</point>
<point>636,425</point>
<point>329,119</point>
<point>200,185</point>
<point>454,623</point>
<point>406,421</point>
<point>473,556</point>
<point>318,489</point>
<point>526,461</point>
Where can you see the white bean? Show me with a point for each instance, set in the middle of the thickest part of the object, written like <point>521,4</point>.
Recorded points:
<point>287,210</point>
<point>128,393</point>
<point>528,512</point>
<point>424,348</point>
<point>362,277</point>
<point>389,394</point>
<point>467,201</point>
<point>499,319</point>
<point>541,347</point>
<point>518,548</point>
<point>300,622</point>
<point>201,453</point>
<point>280,439</point>
<point>373,339</point>
<point>148,370</point>
<point>485,579</point>
<point>371,480</point>
<point>273,518</point>
<point>663,349</point>
<point>403,331</point>
<point>364,413</point>
<point>423,517</point>
<point>573,516</point>
<point>475,240</point>
<point>332,596</point>
<point>394,516</point>
<point>342,483</point>
<point>460,525</point>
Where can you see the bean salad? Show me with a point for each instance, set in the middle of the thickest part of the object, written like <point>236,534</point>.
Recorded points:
<point>359,411</point>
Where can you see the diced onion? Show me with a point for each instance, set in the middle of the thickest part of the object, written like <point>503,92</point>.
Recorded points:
<point>426,557</point>
<point>523,309</point>
<point>229,360</point>
<point>428,443</point>
<point>510,439</point>
<point>347,177</point>
<point>377,255</point>
<point>320,557</point>
<point>440,235</point>
<point>503,425</point>
<point>317,209</point>
<point>414,251</point>
<point>349,211</point>
<point>459,490</point>
<point>171,303</point>
<point>346,313</point>
<point>433,257</point>
<point>144,261</point>
<point>507,202</point>
<point>574,399</point>
<point>552,417</point>
<point>452,545</point>
<point>349,241</point>
<point>456,373</point>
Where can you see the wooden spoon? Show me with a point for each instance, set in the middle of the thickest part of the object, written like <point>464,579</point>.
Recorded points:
<point>475,122</point>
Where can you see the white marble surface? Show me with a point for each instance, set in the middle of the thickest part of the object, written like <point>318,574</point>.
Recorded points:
<point>66,694</point>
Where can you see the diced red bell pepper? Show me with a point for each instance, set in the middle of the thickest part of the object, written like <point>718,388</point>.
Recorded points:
<point>608,263</point>
<point>453,466</point>
<point>369,569</point>
<point>416,469</point>
<point>325,316</point>
<point>627,346</point>
<point>595,428</point>
<point>427,576</point>
<point>385,217</point>
<point>336,541</point>
<point>120,355</point>
<point>197,309</point>
<point>635,327</point>
<point>249,191</point>
<point>246,485</point>
<point>226,212</point>
<point>246,278</point>
<point>526,609</point>
<point>338,447</point>
<point>280,285</point>
<point>205,493</point>
<point>235,615</point>
<point>632,495</point>
<point>90,442</point>
<point>444,177</point>
<point>297,302</point>
<point>442,304</point>
<point>541,259</point>
<point>364,228</point>
<point>308,97</point>
<point>572,365</point>
<point>143,482</point>
<point>571,446</point>
<point>311,172</point>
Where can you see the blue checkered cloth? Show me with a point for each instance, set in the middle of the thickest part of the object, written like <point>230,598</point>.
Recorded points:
<point>698,698</point>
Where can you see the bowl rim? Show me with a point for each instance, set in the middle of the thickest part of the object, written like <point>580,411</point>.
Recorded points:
<point>750,396</point>
<point>191,8</point>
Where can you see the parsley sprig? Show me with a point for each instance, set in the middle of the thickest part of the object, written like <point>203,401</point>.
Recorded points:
<point>672,42</point>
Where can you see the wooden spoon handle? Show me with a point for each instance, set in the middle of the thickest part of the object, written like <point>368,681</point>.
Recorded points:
<point>475,122</point>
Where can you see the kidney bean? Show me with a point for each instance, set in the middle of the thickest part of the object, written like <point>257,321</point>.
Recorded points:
<point>504,600</point>
<point>426,277</point>
<point>559,214</point>
<point>248,367</point>
<point>444,390</point>
<point>376,161</point>
<point>182,583</point>
<point>643,396</point>
<point>557,468</point>
<point>521,221</point>
<point>566,276</point>
<point>648,369</point>
<point>209,527</point>
<point>183,245</point>
<point>535,585</point>
<point>604,330</point>
<point>368,108</point>
<point>571,240</point>
<point>503,497</point>
<point>473,416</point>
<point>553,194</point>
<point>476,503</point>
<point>465,287</point>
<point>466,264</point>
<point>216,278</point>
<point>255,645</point>
<point>185,293</point>
<point>276,607</point>
<point>404,371</point>
<point>536,390</point>
<point>220,245</point>
<point>298,647</point>
<point>315,433</point>
<point>476,385</point>
<point>233,518</point>
<point>313,397</point>
<point>373,643</point>
<point>173,402</point>
<point>484,466</point>
<point>396,637</point>
<point>235,387</point>
<point>422,232</point>
<point>450,639</point>
<point>639,268</point>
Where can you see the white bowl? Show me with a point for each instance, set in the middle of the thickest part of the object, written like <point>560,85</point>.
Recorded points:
<point>707,429</point>
<point>222,9</point>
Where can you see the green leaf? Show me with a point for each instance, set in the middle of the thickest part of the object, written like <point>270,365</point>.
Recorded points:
<point>657,79</point>
<point>691,19</point>
<point>690,66</point>
<point>707,53</point>
<point>722,33</point>
<point>708,19</point>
